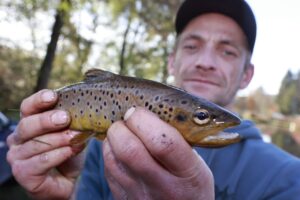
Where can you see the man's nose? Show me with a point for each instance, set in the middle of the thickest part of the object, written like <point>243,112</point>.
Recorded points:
<point>206,60</point>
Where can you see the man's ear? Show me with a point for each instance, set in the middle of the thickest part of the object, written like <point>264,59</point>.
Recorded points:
<point>247,76</point>
<point>171,68</point>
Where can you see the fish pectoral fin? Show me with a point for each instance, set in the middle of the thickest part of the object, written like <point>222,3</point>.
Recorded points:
<point>220,140</point>
<point>81,138</point>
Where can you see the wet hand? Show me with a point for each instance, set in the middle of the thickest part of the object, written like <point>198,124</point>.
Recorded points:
<point>39,151</point>
<point>145,158</point>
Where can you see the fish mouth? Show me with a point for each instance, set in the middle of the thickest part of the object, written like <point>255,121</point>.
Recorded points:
<point>233,121</point>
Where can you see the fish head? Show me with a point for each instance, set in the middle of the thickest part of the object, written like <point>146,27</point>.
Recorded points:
<point>197,119</point>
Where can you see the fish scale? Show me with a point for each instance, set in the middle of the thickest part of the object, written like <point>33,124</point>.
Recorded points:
<point>103,98</point>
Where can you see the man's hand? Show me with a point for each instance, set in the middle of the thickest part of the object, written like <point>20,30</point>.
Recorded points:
<point>146,158</point>
<point>39,151</point>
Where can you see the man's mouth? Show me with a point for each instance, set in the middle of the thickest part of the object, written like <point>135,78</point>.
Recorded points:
<point>202,81</point>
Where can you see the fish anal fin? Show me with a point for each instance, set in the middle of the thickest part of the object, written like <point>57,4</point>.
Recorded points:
<point>219,140</point>
<point>97,75</point>
<point>81,138</point>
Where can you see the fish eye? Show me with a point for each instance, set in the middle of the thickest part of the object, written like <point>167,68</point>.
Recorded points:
<point>201,116</point>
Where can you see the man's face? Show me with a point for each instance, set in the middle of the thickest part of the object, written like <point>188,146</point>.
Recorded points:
<point>211,59</point>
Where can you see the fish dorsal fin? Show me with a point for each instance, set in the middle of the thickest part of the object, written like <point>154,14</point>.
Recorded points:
<point>97,75</point>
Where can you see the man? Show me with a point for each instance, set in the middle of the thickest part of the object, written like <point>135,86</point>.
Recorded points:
<point>211,59</point>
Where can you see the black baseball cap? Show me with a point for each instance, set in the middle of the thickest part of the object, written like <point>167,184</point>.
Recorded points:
<point>238,10</point>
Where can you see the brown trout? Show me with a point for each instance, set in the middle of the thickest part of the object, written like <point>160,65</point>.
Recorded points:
<point>103,98</point>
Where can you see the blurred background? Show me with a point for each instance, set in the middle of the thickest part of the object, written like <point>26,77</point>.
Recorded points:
<point>49,44</point>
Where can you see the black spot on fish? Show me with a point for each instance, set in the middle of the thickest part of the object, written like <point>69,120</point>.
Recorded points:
<point>97,110</point>
<point>136,92</point>
<point>73,104</point>
<point>60,95</point>
<point>86,91</point>
<point>90,116</point>
<point>60,105</point>
<point>156,98</point>
<point>107,93</point>
<point>104,103</point>
<point>166,100</point>
<point>163,135</point>
<point>159,113</point>
<point>99,98</point>
<point>95,98</point>
<point>113,101</point>
<point>82,94</point>
<point>76,116</point>
<point>119,107</point>
<point>67,96</point>
<point>113,112</point>
<point>103,92</point>
<point>161,106</point>
<point>119,92</point>
<point>165,112</point>
<point>91,107</point>
<point>126,98</point>
<point>100,107</point>
<point>112,121</point>
<point>150,107</point>
<point>79,89</point>
<point>122,118</point>
<point>141,97</point>
<point>105,117</point>
<point>184,102</point>
<point>81,112</point>
<point>146,104</point>
<point>88,103</point>
<point>111,95</point>
<point>180,117</point>
<point>117,103</point>
<point>78,100</point>
<point>171,109</point>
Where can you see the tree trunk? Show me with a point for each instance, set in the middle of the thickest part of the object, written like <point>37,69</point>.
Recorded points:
<point>123,49</point>
<point>46,67</point>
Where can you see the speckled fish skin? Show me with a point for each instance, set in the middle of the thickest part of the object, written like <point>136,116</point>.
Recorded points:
<point>103,98</point>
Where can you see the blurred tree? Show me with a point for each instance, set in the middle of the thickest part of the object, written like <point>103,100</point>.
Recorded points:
<point>45,70</point>
<point>17,69</point>
<point>287,97</point>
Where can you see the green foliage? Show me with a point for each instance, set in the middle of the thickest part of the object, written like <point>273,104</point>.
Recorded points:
<point>288,98</point>
<point>18,74</point>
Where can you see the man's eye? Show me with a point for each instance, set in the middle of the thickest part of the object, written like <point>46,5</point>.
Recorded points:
<point>189,47</point>
<point>229,53</point>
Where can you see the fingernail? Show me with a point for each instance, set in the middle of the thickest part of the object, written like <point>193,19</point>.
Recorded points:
<point>128,113</point>
<point>60,117</point>
<point>48,96</point>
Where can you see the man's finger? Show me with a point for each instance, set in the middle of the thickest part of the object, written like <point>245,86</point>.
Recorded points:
<point>38,102</point>
<point>40,145</point>
<point>38,124</point>
<point>42,163</point>
<point>163,141</point>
